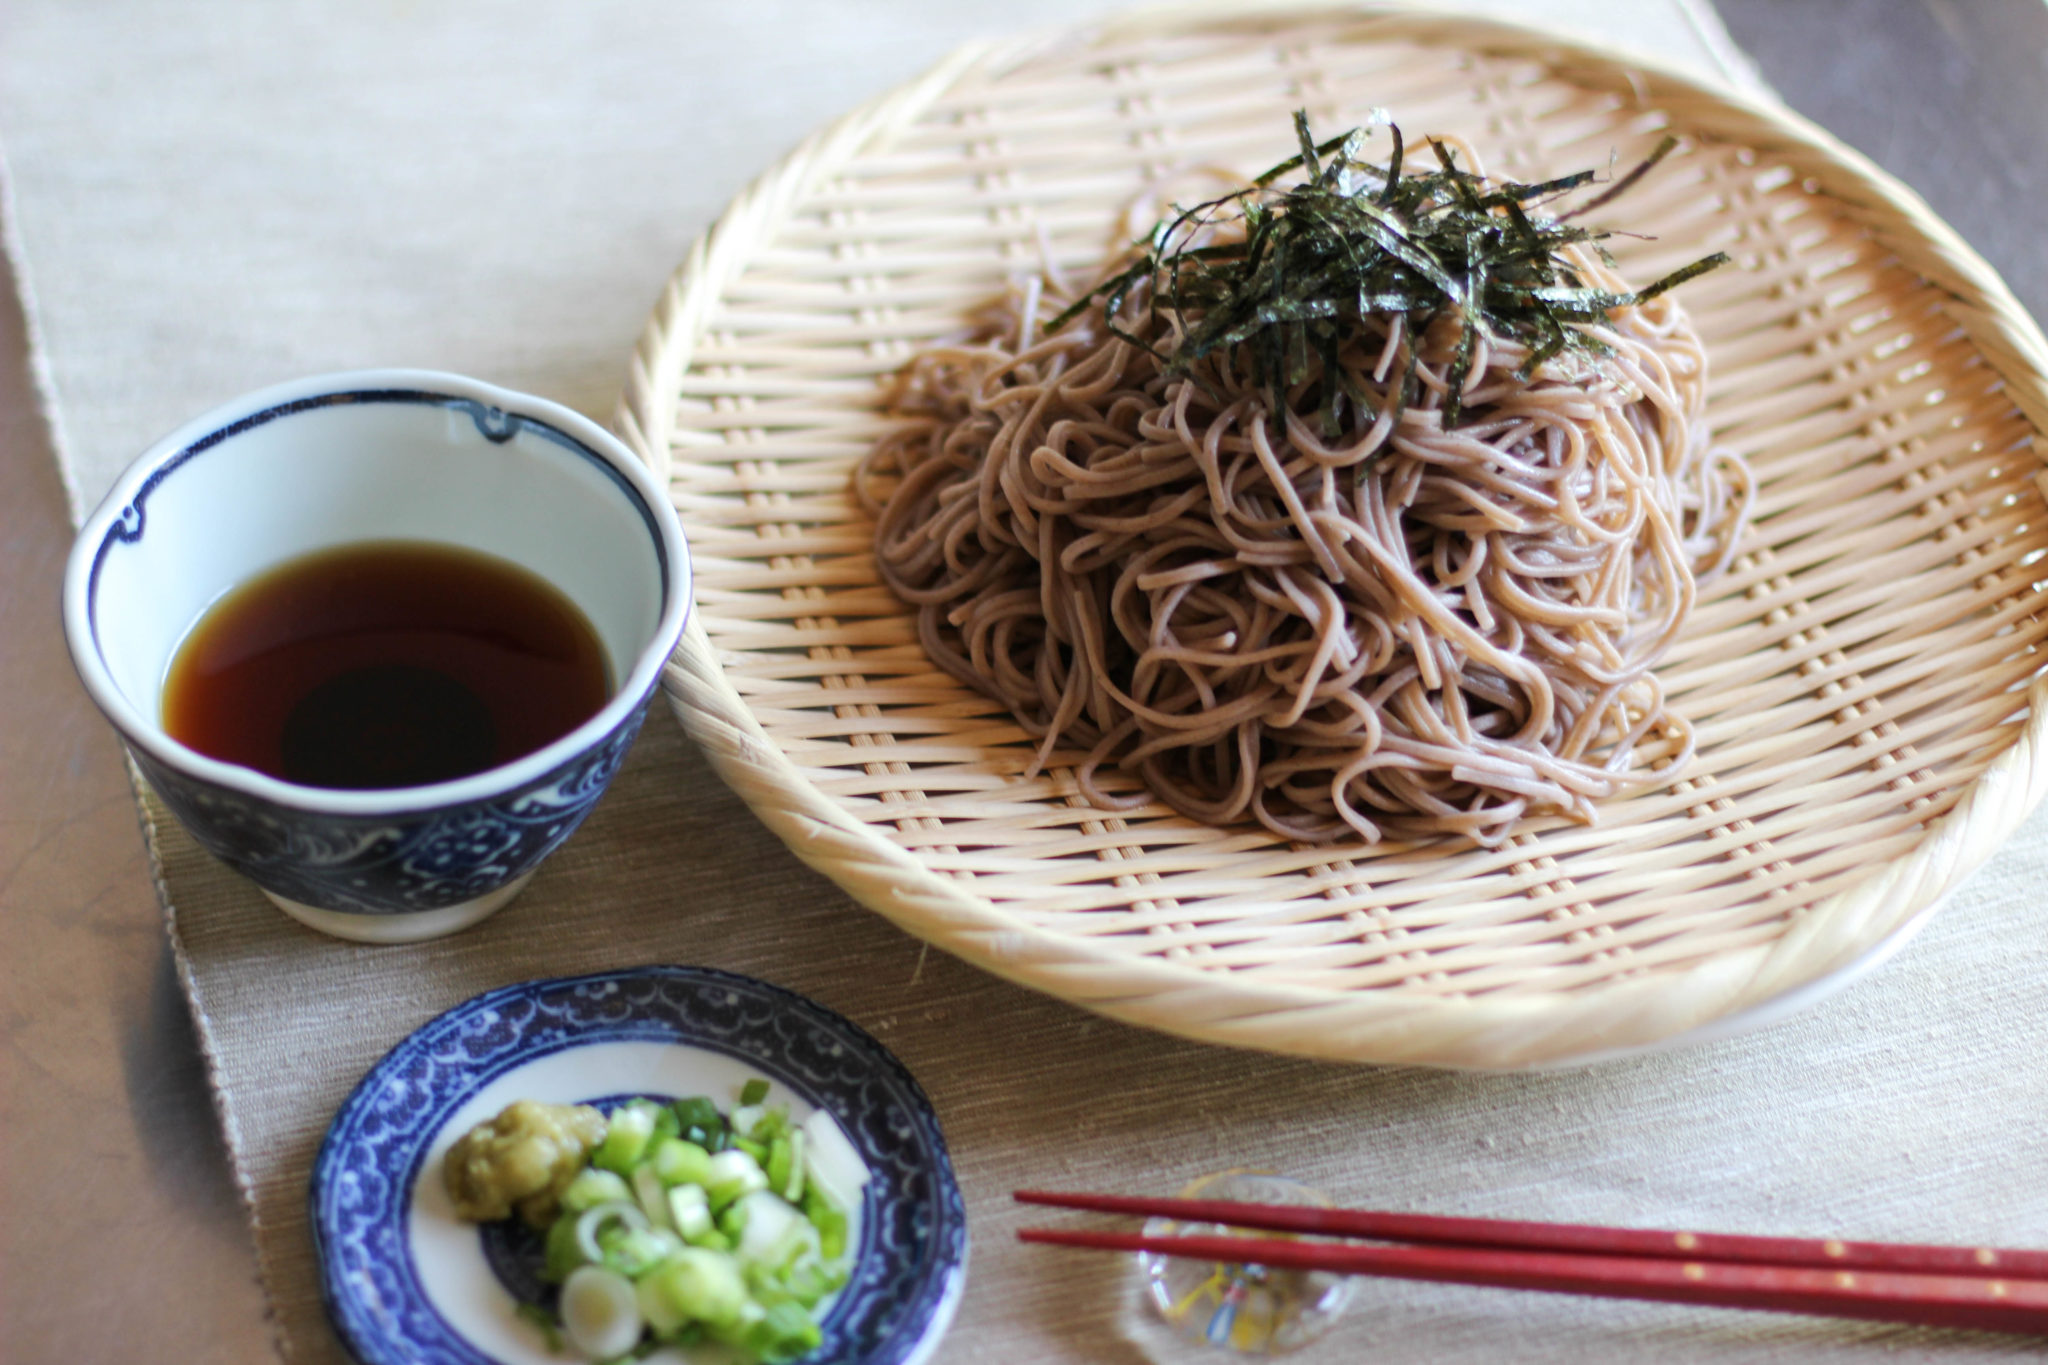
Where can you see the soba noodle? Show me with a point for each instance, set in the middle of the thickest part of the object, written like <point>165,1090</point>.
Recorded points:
<point>1404,631</point>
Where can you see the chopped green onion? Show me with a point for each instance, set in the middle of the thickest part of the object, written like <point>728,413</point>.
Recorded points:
<point>689,1252</point>
<point>680,1162</point>
<point>754,1091</point>
<point>593,1224</point>
<point>662,1319</point>
<point>690,1211</point>
<point>791,1186</point>
<point>784,1333</point>
<point>626,1137</point>
<point>700,1285</point>
<point>831,1234</point>
<point>651,1195</point>
<point>564,1250</point>
<point>732,1174</point>
<point>830,1223</point>
<point>809,1281</point>
<point>831,1164</point>
<point>592,1187</point>
<point>735,1332</point>
<point>774,1235</point>
<point>600,1313</point>
<point>638,1252</point>
<point>701,1122</point>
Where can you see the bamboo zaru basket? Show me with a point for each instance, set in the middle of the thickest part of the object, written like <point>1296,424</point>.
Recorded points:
<point>1862,681</point>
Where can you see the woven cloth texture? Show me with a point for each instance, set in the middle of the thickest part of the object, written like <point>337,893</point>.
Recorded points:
<point>213,196</point>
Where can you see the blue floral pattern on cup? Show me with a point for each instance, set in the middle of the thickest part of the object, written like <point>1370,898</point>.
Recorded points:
<point>392,866</point>
<point>911,1262</point>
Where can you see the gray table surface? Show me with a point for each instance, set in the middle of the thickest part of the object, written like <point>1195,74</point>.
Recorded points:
<point>121,1236</point>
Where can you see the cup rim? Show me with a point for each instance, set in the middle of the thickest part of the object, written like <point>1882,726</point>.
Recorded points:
<point>140,730</point>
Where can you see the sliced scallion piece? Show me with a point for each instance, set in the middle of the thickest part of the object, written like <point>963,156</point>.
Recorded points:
<point>592,1187</point>
<point>600,1313</point>
<point>593,1224</point>
<point>626,1137</point>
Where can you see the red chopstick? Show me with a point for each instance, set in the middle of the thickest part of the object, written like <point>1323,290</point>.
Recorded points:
<point>1983,1288</point>
<point>1574,1237</point>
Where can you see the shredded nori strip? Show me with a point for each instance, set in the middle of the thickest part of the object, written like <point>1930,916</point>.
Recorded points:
<point>1351,238</point>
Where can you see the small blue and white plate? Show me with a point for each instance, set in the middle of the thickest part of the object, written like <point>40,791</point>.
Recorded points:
<point>407,1281</point>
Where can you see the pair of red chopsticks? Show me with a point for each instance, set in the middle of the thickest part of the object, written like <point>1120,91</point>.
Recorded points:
<point>1943,1286</point>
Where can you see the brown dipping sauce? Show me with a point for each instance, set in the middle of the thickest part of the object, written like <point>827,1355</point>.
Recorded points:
<point>385,664</point>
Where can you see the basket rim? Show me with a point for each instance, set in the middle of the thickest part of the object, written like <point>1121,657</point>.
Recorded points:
<point>1381,1025</point>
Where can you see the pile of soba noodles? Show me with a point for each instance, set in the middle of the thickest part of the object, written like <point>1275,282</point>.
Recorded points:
<point>1398,572</point>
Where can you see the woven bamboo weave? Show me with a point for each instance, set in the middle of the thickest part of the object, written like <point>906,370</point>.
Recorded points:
<point>1862,680</point>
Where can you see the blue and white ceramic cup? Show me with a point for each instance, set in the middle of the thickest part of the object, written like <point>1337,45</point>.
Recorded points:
<point>377,455</point>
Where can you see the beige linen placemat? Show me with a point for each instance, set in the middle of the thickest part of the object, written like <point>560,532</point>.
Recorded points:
<point>216,195</point>
<point>1779,1132</point>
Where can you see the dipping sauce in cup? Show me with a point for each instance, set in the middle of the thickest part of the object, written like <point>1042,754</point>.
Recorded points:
<point>385,664</point>
<point>380,640</point>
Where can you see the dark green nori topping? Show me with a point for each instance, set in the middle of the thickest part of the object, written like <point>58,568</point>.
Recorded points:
<point>1351,238</point>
